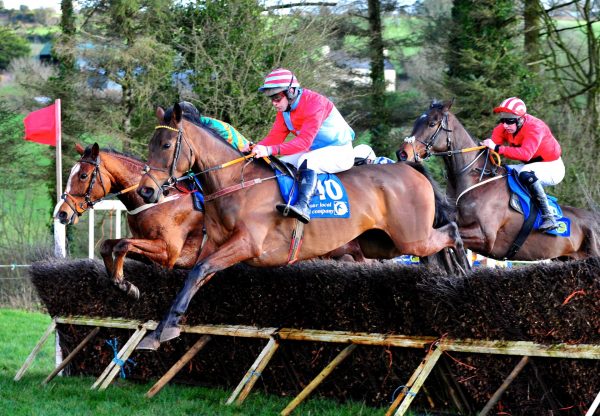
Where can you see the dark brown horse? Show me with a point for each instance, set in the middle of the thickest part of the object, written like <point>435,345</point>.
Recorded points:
<point>487,224</point>
<point>169,234</point>
<point>392,206</point>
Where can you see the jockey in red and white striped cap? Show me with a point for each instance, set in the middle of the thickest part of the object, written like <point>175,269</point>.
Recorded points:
<point>322,142</point>
<point>523,137</point>
<point>279,80</point>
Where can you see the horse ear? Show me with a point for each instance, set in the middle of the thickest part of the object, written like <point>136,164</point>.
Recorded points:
<point>95,150</point>
<point>160,114</point>
<point>79,149</point>
<point>178,112</point>
<point>448,104</point>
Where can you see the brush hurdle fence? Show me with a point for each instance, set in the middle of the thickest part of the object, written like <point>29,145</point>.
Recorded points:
<point>435,348</point>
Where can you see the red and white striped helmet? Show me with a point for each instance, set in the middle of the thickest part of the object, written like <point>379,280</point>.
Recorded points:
<point>279,79</point>
<point>512,105</point>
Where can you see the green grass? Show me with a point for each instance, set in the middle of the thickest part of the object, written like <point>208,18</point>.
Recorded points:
<point>19,333</point>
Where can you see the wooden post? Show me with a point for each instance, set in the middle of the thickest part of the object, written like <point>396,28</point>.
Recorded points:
<point>178,365</point>
<point>35,351</point>
<point>123,355</point>
<point>406,397</point>
<point>591,411</point>
<point>408,385</point>
<point>318,379</point>
<point>72,355</point>
<point>498,393</point>
<point>254,372</point>
<point>112,369</point>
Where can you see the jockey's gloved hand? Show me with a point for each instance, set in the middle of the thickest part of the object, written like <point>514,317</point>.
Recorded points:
<point>262,151</point>
<point>489,143</point>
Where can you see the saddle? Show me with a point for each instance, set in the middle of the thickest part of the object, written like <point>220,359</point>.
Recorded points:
<point>520,201</point>
<point>330,199</point>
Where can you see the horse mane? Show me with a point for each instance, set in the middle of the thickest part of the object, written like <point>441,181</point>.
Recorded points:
<point>191,114</point>
<point>127,157</point>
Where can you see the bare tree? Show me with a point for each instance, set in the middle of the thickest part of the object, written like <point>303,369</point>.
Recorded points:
<point>574,63</point>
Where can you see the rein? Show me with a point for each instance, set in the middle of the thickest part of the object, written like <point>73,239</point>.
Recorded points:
<point>172,180</point>
<point>483,150</point>
<point>443,125</point>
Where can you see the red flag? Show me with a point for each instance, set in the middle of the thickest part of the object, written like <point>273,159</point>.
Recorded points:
<point>40,126</point>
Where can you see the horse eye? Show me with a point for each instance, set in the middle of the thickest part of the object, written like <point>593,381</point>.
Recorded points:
<point>83,176</point>
<point>166,145</point>
<point>432,124</point>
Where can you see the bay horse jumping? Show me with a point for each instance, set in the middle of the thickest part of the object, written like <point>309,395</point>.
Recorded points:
<point>487,224</point>
<point>392,210</point>
<point>169,234</point>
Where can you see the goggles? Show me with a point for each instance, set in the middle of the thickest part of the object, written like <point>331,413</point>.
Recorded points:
<point>275,98</point>
<point>508,121</point>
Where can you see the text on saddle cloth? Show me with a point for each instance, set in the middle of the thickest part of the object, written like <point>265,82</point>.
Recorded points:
<point>564,223</point>
<point>330,199</point>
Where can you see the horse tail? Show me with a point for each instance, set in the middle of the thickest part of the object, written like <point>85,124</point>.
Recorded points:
<point>444,211</point>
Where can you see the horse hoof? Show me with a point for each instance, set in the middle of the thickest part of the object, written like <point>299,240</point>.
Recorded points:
<point>133,292</point>
<point>168,334</point>
<point>149,343</point>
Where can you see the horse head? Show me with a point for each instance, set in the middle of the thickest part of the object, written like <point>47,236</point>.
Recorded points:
<point>181,145</point>
<point>165,162</point>
<point>86,184</point>
<point>426,133</point>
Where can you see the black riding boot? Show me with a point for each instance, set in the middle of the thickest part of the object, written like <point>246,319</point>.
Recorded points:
<point>306,190</point>
<point>548,221</point>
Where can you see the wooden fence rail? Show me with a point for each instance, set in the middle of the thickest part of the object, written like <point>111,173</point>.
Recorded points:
<point>436,347</point>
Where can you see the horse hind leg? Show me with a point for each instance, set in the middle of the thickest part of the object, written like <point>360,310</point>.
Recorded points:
<point>439,239</point>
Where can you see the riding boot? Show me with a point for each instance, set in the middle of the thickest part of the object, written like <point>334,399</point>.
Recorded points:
<point>548,221</point>
<point>306,190</point>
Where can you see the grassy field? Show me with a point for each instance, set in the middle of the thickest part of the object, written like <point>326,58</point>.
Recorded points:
<point>20,331</point>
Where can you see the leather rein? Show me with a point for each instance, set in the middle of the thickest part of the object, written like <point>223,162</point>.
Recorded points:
<point>173,180</point>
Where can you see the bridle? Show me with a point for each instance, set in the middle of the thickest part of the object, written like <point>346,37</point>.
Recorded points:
<point>88,202</point>
<point>449,152</point>
<point>172,180</point>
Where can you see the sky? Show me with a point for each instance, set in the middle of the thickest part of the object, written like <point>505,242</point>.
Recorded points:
<point>32,4</point>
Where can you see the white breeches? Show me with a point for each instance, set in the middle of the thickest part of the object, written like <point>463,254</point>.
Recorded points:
<point>549,173</point>
<point>330,159</point>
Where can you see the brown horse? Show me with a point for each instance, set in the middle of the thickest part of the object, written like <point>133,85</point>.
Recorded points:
<point>486,223</point>
<point>169,234</point>
<point>392,206</point>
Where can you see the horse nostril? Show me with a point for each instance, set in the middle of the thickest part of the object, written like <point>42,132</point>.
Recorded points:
<point>62,215</point>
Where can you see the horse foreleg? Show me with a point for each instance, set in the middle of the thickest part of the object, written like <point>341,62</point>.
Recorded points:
<point>154,250</point>
<point>236,249</point>
<point>106,251</point>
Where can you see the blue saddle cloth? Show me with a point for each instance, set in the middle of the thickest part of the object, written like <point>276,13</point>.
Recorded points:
<point>564,223</point>
<point>330,199</point>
